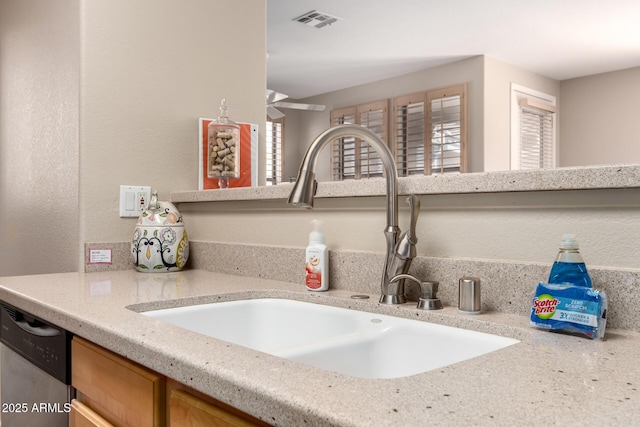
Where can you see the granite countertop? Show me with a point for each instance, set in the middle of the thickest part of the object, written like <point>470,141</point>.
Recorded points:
<point>566,178</point>
<point>546,378</point>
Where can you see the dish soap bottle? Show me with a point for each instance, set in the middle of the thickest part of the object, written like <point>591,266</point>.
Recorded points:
<point>317,260</point>
<point>569,267</point>
<point>224,148</point>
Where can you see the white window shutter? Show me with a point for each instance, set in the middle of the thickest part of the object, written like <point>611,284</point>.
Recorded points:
<point>533,129</point>
<point>536,135</point>
<point>275,148</point>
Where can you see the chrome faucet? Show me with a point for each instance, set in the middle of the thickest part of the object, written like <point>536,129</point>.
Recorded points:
<point>400,249</point>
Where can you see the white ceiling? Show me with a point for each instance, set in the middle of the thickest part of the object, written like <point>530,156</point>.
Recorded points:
<point>378,39</point>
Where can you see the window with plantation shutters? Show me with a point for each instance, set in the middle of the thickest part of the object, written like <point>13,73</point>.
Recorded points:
<point>343,151</point>
<point>533,130</point>
<point>373,116</point>
<point>409,133</point>
<point>430,132</point>
<point>275,145</point>
<point>350,157</point>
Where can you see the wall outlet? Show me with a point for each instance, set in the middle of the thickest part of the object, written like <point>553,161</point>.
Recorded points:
<point>142,200</point>
<point>133,200</point>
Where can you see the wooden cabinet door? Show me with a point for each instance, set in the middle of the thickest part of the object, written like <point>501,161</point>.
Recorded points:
<point>121,391</point>
<point>186,410</point>
<point>82,416</point>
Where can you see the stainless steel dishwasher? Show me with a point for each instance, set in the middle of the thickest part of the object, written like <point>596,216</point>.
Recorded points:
<point>36,370</point>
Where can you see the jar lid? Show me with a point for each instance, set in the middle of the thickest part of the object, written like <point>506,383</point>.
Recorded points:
<point>223,119</point>
<point>160,214</point>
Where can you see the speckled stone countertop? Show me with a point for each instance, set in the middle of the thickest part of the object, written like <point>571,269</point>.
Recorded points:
<point>546,378</point>
<point>569,178</point>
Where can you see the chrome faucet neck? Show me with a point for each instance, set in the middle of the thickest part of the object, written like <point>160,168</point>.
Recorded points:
<point>306,185</point>
<point>300,193</point>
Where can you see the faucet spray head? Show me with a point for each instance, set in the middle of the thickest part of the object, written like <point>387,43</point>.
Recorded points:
<point>303,190</point>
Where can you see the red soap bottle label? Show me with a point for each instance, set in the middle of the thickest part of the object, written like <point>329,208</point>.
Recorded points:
<point>314,280</point>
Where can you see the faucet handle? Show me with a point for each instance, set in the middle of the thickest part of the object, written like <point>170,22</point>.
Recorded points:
<point>414,210</point>
<point>406,246</point>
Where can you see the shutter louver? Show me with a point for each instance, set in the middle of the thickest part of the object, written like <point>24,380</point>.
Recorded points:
<point>351,158</point>
<point>274,142</point>
<point>409,120</point>
<point>343,152</point>
<point>374,117</point>
<point>446,134</point>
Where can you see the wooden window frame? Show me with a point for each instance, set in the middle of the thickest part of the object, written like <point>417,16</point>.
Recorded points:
<point>408,135</point>
<point>401,138</point>
<point>343,149</point>
<point>350,157</point>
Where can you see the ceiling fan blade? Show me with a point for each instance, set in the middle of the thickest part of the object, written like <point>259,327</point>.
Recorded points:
<point>300,106</point>
<point>274,113</point>
<point>273,96</point>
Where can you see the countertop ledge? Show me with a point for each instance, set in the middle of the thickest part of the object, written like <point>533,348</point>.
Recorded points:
<point>567,178</point>
<point>545,375</point>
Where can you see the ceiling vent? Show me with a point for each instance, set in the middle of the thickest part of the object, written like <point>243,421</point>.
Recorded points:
<point>316,19</point>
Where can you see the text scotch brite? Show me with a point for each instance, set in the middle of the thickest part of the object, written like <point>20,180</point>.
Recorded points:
<point>569,308</point>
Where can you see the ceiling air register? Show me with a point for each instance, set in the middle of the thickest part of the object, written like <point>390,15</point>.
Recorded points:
<point>316,19</point>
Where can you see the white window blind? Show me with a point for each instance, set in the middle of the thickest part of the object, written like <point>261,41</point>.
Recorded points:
<point>533,129</point>
<point>275,147</point>
<point>536,135</point>
<point>350,157</point>
<point>430,131</point>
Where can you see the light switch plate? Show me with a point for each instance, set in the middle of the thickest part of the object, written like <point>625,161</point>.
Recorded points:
<point>133,200</point>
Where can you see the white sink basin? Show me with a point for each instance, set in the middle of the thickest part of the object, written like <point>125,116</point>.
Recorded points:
<point>351,342</point>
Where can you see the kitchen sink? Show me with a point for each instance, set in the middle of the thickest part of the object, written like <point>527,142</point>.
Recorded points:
<point>356,343</point>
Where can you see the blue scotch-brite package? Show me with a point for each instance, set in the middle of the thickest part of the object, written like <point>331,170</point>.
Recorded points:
<point>569,308</point>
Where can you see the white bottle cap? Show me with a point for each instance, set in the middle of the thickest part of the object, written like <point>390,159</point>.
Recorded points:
<point>569,242</point>
<point>316,235</point>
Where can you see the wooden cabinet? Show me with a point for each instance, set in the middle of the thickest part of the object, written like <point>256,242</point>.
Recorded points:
<point>190,408</point>
<point>82,416</point>
<point>114,391</point>
<point>186,410</point>
<point>119,390</point>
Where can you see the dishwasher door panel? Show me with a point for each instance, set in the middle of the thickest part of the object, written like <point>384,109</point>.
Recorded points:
<point>30,396</point>
<point>35,370</point>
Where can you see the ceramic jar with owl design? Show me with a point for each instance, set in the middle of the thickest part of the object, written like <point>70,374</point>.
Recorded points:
<point>160,242</point>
